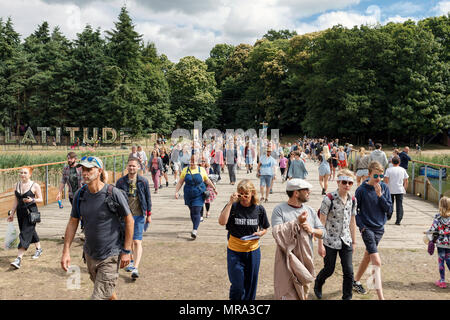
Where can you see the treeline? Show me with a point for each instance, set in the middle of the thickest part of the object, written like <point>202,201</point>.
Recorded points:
<point>381,82</point>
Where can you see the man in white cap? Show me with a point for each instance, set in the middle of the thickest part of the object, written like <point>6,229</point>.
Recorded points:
<point>103,249</point>
<point>293,226</point>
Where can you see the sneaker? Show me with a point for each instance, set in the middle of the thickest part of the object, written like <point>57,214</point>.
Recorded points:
<point>130,267</point>
<point>37,254</point>
<point>175,183</point>
<point>441,284</point>
<point>359,288</point>
<point>167,184</point>
<point>201,219</point>
<point>271,192</point>
<point>16,263</point>
<point>135,274</point>
<point>194,234</point>
<point>160,186</point>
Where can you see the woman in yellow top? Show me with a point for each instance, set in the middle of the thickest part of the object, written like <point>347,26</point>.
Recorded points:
<point>195,178</point>
<point>246,221</point>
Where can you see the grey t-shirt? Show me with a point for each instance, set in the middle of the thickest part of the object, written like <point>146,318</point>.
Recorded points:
<point>101,226</point>
<point>283,213</point>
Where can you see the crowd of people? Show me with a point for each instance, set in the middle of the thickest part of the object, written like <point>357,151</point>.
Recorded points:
<point>114,218</point>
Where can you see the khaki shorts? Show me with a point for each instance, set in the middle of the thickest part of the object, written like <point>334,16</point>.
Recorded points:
<point>104,274</point>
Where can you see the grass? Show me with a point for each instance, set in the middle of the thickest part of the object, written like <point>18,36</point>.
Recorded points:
<point>22,159</point>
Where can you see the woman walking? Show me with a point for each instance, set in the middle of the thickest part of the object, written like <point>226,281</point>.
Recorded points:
<point>361,166</point>
<point>324,172</point>
<point>334,162</point>
<point>156,167</point>
<point>342,158</point>
<point>166,162</point>
<point>27,194</point>
<point>246,222</point>
<point>194,188</point>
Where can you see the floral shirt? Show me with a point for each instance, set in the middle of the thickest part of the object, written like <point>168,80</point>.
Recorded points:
<point>338,220</point>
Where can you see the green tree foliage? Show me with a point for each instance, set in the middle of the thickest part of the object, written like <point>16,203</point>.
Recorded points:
<point>382,82</point>
<point>193,93</point>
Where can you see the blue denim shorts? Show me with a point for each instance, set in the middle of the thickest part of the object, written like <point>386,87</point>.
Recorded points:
<point>265,180</point>
<point>371,239</point>
<point>139,222</point>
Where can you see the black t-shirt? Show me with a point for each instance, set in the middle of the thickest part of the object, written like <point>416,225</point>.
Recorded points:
<point>244,221</point>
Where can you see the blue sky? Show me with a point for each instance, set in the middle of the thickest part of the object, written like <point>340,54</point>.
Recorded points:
<point>192,27</point>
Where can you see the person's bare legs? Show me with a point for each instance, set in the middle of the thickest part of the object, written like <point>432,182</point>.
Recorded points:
<point>325,182</point>
<point>137,252</point>
<point>375,259</point>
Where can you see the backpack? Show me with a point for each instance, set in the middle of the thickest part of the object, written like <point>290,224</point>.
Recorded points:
<point>113,206</point>
<point>330,196</point>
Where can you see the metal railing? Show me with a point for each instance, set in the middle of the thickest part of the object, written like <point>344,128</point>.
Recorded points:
<point>50,175</point>
<point>413,173</point>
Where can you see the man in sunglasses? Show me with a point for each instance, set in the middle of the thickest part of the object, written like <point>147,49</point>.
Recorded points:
<point>294,225</point>
<point>337,214</point>
<point>103,250</point>
<point>374,206</point>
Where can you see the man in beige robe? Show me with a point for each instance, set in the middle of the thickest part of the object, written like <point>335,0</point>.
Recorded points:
<point>293,226</point>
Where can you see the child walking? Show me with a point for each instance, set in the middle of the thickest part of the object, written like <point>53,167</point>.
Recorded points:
<point>441,226</point>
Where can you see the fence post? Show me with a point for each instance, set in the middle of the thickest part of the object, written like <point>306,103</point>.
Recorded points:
<point>413,177</point>
<point>440,184</point>
<point>46,185</point>
<point>123,165</point>
<point>114,169</point>
<point>425,183</point>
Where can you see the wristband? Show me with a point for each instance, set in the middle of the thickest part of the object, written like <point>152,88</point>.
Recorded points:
<point>149,213</point>
<point>126,251</point>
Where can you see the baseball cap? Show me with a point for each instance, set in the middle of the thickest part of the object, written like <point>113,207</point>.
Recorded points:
<point>90,162</point>
<point>297,184</point>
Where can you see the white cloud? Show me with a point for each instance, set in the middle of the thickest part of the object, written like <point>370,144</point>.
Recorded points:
<point>398,19</point>
<point>180,28</point>
<point>442,8</point>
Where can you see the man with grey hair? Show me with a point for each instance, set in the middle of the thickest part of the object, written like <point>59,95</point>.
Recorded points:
<point>104,249</point>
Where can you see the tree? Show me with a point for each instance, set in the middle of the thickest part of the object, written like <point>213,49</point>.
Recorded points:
<point>273,35</point>
<point>217,60</point>
<point>193,93</point>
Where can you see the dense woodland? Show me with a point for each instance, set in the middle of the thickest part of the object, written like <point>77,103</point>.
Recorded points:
<point>383,82</point>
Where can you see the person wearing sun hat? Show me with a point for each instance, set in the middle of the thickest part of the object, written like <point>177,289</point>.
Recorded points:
<point>102,249</point>
<point>293,226</point>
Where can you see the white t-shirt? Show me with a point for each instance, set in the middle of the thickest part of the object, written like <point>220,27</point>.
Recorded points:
<point>396,176</point>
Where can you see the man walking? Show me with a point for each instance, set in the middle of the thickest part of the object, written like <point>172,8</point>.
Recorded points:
<point>337,214</point>
<point>104,248</point>
<point>396,179</point>
<point>378,155</point>
<point>294,225</point>
<point>139,200</point>
<point>374,205</point>
<point>404,158</point>
<point>71,176</point>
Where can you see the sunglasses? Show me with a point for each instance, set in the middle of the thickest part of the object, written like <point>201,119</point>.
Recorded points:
<point>90,159</point>
<point>376,176</point>
<point>344,182</point>
<point>241,195</point>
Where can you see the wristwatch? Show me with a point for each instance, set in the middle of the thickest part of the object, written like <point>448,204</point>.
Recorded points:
<point>126,251</point>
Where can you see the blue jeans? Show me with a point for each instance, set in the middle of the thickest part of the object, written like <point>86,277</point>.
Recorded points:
<point>195,215</point>
<point>243,269</point>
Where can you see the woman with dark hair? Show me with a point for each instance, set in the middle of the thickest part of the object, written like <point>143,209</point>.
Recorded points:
<point>166,162</point>
<point>27,194</point>
<point>156,167</point>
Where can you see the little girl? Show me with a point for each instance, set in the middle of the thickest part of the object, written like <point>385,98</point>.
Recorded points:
<point>441,226</point>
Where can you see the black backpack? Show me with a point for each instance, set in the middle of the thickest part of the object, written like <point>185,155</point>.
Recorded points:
<point>113,206</point>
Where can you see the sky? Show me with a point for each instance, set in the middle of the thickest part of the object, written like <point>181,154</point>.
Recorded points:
<point>182,28</point>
